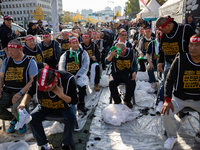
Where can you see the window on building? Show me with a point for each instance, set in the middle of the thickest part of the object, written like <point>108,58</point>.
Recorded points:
<point>24,11</point>
<point>11,12</point>
<point>18,19</point>
<point>10,6</point>
<point>3,6</point>
<point>31,11</point>
<point>7,12</point>
<point>33,4</point>
<point>16,5</point>
<point>30,4</point>
<point>14,19</point>
<point>27,11</point>
<point>20,5</point>
<point>27,5</point>
<point>13,6</point>
<point>17,12</point>
<point>23,5</point>
<point>20,12</point>
<point>6,6</point>
<point>24,18</point>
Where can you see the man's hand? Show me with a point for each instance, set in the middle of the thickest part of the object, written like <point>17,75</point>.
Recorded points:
<point>133,75</point>
<point>58,90</point>
<point>160,67</point>
<point>166,107</point>
<point>113,53</point>
<point>136,41</point>
<point>21,106</point>
<point>16,97</point>
<point>93,58</point>
<point>45,64</point>
<point>141,54</point>
<point>150,66</point>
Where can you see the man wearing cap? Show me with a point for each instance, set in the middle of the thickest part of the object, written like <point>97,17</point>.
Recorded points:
<point>124,69</point>
<point>142,48</point>
<point>51,50</point>
<point>100,46</point>
<point>56,92</point>
<point>64,41</point>
<point>94,55</point>
<point>16,75</point>
<point>175,39</point>
<point>32,49</point>
<point>183,82</point>
<point>40,28</point>
<point>76,61</point>
<point>142,23</point>
<point>6,33</point>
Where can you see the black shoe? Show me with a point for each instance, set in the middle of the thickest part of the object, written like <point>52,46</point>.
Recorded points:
<point>51,147</point>
<point>82,107</point>
<point>129,104</point>
<point>68,147</point>
<point>104,68</point>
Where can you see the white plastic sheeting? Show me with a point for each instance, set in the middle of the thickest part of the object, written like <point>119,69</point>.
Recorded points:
<point>117,114</point>
<point>142,76</point>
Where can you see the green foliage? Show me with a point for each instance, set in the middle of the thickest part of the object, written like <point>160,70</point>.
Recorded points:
<point>67,17</point>
<point>132,6</point>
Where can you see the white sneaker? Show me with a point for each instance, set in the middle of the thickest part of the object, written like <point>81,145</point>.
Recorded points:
<point>170,143</point>
<point>159,107</point>
<point>197,137</point>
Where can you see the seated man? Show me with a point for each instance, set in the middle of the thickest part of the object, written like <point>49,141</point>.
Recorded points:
<point>51,50</point>
<point>56,91</point>
<point>64,41</point>
<point>100,46</point>
<point>94,56</point>
<point>16,75</point>
<point>32,49</point>
<point>184,77</point>
<point>124,69</point>
<point>76,61</point>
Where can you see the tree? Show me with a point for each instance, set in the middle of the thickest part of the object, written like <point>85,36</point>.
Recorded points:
<point>67,17</point>
<point>77,17</point>
<point>132,6</point>
<point>118,14</point>
<point>38,14</point>
<point>88,19</point>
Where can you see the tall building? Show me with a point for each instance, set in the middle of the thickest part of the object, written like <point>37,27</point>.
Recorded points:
<point>85,12</point>
<point>23,8</point>
<point>118,8</point>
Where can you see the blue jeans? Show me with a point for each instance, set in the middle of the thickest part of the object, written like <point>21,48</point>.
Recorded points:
<point>38,115</point>
<point>161,91</point>
<point>151,74</point>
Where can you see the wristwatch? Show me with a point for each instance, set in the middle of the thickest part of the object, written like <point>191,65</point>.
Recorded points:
<point>21,93</point>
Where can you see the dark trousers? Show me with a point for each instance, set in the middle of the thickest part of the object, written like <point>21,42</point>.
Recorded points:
<point>38,115</point>
<point>97,74</point>
<point>142,65</point>
<point>130,87</point>
<point>103,56</point>
<point>81,93</point>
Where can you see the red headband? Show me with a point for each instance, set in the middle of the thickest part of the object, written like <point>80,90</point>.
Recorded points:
<point>122,51</point>
<point>46,35</point>
<point>164,25</point>
<point>29,38</point>
<point>65,33</point>
<point>14,46</point>
<point>73,40</point>
<point>43,78</point>
<point>159,33</point>
<point>7,17</point>
<point>124,32</point>
<point>75,32</point>
<point>195,39</point>
<point>94,32</point>
<point>85,35</point>
<point>148,30</point>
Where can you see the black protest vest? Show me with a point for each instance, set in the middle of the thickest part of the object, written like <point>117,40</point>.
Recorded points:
<point>153,53</point>
<point>145,44</point>
<point>90,49</point>
<point>16,74</point>
<point>51,100</point>
<point>173,45</point>
<point>188,79</point>
<point>48,52</point>
<point>122,65</point>
<point>37,53</point>
<point>65,45</point>
<point>70,63</point>
<point>99,44</point>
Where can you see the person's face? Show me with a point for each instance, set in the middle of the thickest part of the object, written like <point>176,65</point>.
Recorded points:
<point>8,23</point>
<point>140,21</point>
<point>31,43</point>
<point>74,45</point>
<point>75,24</point>
<point>142,32</point>
<point>116,25</point>
<point>167,29</point>
<point>94,36</point>
<point>33,27</point>
<point>53,86</point>
<point>194,49</point>
<point>14,53</point>
<point>122,37</point>
<point>190,18</point>
<point>148,34</point>
<point>41,23</point>
<point>47,26</point>
<point>86,40</point>
<point>46,40</point>
<point>66,37</point>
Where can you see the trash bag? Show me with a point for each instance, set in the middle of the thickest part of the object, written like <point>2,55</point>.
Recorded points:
<point>116,114</point>
<point>104,81</point>
<point>142,76</point>
<point>143,99</point>
<point>20,145</point>
<point>145,86</point>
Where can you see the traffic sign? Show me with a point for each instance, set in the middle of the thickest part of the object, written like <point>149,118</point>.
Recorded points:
<point>106,18</point>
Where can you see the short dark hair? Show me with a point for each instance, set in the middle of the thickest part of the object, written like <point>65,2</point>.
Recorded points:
<point>196,35</point>
<point>160,21</point>
<point>15,41</point>
<point>50,76</point>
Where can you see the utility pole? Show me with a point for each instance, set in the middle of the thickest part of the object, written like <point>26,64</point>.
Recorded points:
<point>22,14</point>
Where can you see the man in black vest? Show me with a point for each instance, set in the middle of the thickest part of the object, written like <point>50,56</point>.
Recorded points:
<point>7,33</point>
<point>183,80</point>
<point>94,56</point>
<point>124,69</point>
<point>175,39</point>
<point>51,50</point>
<point>76,61</point>
<point>56,91</point>
<point>16,75</point>
<point>32,49</point>
<point>64,41</point>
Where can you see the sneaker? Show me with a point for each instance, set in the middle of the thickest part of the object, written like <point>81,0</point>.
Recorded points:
<point>159,107</point>
<point>197,137</point>
<point>154,85</point>
<point>22,130</point>
<point>129,104</point>
<point>96,87</point>
<point>11,128</point>
<point>170,143</point>
<point>47,147</point>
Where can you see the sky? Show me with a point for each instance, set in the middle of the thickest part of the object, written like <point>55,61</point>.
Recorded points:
<point>95,5</point>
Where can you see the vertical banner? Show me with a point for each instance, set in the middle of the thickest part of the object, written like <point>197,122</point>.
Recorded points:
<point>54,12</point>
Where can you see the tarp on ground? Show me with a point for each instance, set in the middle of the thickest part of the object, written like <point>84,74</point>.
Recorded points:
<point>151,11</point>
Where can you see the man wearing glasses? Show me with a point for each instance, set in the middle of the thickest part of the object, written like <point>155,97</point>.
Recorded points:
<point>40,28</point>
